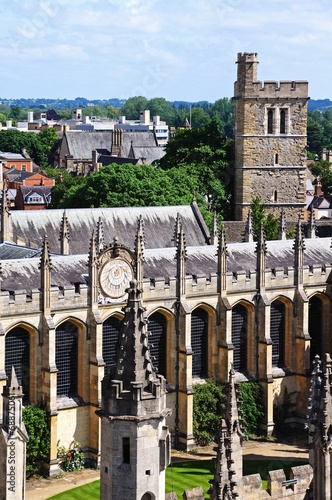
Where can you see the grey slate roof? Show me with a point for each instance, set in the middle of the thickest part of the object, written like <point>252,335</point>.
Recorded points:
<point>11,251</point>
<point>23,274</point>
<point>81,144</point>
<point>29,227</point>
<point>202,261</point>
<point>150,154</point>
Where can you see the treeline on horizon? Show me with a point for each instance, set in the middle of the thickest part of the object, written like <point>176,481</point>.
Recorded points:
<point>173,113</point>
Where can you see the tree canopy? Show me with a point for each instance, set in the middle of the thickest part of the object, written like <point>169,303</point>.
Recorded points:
<point>37,145</point>
<point>203,155</point>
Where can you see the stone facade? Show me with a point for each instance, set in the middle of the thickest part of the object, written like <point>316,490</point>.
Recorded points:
<point>270,141</point>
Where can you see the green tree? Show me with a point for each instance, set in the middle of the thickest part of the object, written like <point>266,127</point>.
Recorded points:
<point>209,407</point>
<point>133,106</point>
<point>15,112</point>
<point>270,222</point>
<point>203,154</point>
<point>3,118</point>
<point>158,106</point>
<point>321,169</point>
<point>127,185</point>
<point>37,424</point>
<point>252,409</point>
<point>112,112</point>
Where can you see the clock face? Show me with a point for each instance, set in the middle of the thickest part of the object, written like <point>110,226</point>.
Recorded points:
<point>115,277</point>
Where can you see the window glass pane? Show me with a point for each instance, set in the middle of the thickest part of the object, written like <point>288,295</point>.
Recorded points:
<point>66,352</point>
<point>199,328</point>
<point>17,349</point>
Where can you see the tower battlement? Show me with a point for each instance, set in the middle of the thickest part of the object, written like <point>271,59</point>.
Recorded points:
<point>247,84</point>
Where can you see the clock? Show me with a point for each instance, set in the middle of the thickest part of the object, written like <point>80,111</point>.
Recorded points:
<point>115,277</point>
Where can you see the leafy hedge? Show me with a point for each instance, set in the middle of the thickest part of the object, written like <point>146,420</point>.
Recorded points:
<point>209,409</point>
<point>37,423</point>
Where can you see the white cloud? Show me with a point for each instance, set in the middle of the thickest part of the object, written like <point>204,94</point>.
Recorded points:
<point>179,49</point>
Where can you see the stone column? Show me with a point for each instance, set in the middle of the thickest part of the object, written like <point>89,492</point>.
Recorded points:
<point>13,439</point>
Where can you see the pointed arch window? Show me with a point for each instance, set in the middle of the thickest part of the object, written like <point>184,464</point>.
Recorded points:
<point>315,327</point>
<point>199,342</point>
<point>111,328</point>
<point>276,159</point>
<point>66,359</point>
<point>158,329</point>
<point>239,337</point>
<point>17,354</point>
<point>275,196</point>
<point>277,333</point>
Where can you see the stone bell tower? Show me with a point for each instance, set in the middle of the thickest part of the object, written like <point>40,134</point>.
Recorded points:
<point>135,442</point>
<point>270,141</point>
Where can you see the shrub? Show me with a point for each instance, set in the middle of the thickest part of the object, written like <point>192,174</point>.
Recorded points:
<point>37,422</point>
<point>252,409</point>
<point>209,406</point>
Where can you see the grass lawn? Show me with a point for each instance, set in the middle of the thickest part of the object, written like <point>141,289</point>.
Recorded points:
<point>90,491</point>
<point>185,475</point>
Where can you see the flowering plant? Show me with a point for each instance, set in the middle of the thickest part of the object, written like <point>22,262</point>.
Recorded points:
<point>73,459</point>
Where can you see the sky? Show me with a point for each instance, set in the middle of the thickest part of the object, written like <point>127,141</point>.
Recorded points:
<point>176,49</point>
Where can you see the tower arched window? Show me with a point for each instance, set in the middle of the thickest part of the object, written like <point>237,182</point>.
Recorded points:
<point>270,115</point>
<point>158,329</point>
<point>315,327</point>
<point>282,121</point>
<point>239,337</point>
<point>111,328</point>
<point>199,342</point>
<point>275,196</point>
<point>17,354</point>
<point>277,333</point>
<point>66,359</point>
<point>276,159</point>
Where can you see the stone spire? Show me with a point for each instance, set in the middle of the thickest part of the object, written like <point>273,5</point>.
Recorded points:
<point>181,257</point>
<point>100,240</point>
<point>227,482</point>
<point>319,423</point>
<point>299,247</point>
<point>282,226</point>
<point>13,438</point>
<point>249,231</point>
<point>93,270</point>
<point>177,229</point>
<point>64,235</point>
<point>214,230</point>
<point>139,251</point>
<point>222,263</point>
<point>45,267</point>
<point>134,435</point>
<point>312,225</point>
<point>5,213</point>
<point>134,364</point>
<point>261,250</point>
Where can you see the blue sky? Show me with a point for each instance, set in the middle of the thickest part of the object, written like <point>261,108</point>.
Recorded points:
<point>177,49</point>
